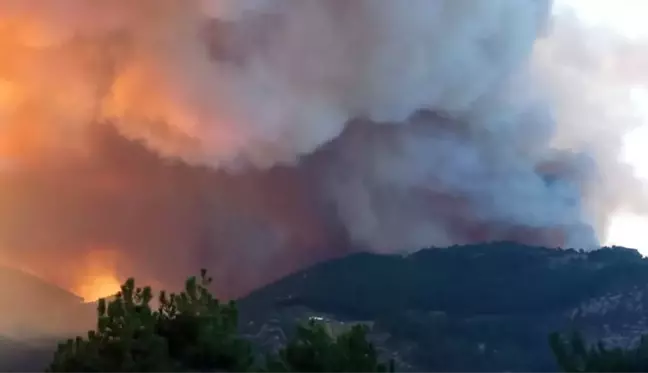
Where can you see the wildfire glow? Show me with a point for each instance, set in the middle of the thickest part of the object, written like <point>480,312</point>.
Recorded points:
<point>99,279</point>
<point>99,287</point>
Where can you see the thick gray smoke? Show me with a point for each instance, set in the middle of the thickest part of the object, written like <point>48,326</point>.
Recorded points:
<point>256,137</point>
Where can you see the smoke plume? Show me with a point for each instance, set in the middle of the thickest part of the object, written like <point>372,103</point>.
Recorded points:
<point>256,137</point>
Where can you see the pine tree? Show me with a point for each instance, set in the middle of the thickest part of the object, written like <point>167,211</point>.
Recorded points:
<point>190,331</point>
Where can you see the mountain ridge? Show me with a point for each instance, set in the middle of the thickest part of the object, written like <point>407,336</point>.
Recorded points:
<point>482,307</point>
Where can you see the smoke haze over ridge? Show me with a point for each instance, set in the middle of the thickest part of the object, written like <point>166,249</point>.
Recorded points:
<point>256,137</point>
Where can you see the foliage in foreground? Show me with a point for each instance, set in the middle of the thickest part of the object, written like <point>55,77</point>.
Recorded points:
<point>313,350</point>
<point>193,331</point>
<point>573,355</point>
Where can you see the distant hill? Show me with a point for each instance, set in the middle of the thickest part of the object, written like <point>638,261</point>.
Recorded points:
<point>483,307</point>
<point>33,315</point>
<point>23,297</point>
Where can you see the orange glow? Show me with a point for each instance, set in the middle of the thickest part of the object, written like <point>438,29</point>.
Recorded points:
<point>100,286</point>
<point>63,73</point>
<point>98,278</point>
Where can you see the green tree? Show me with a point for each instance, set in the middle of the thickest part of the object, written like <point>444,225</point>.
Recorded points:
<point>573,355</point>
<point>313,349</point>
<point>193,331</point>
<point>190,331</point>
<point>201,333</point>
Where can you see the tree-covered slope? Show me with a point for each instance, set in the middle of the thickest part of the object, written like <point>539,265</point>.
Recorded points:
<point>477,307</point>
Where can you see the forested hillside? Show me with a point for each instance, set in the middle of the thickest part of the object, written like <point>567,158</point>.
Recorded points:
<point>478,307</point>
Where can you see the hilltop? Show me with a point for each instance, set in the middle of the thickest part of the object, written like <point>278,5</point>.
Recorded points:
<point>482,307</point>
<point>24,297</point>
<point>33,315</point>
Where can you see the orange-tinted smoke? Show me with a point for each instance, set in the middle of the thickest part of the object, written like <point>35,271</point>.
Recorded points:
<point>66,194</point>
<point>68,63</point>
<point>159,221</point>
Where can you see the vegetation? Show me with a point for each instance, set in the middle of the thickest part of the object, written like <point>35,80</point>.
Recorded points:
<point>573,355</point>
<point>486,307</point>
<point>504,278</point>
<point>313,350</point>
<point>482,307</point>
<point>193,331</point>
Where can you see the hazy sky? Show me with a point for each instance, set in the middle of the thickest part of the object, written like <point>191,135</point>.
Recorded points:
<point>627,18</point>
